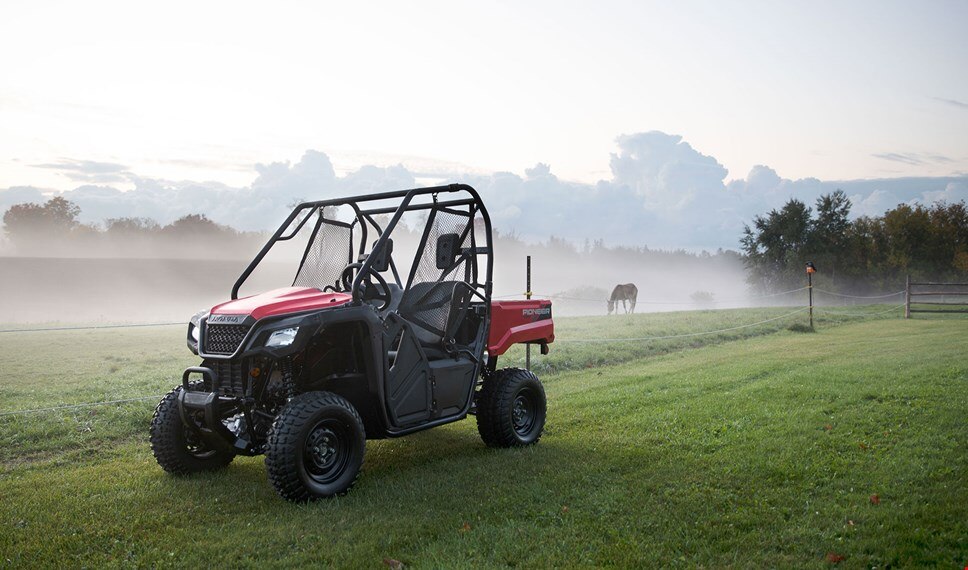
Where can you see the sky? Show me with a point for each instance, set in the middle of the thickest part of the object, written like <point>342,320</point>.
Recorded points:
<point>673,106</point>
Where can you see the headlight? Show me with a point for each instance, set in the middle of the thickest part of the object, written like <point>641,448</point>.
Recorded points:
<point>194,332</point>
<point>194,323</point>
<point>282,337</point>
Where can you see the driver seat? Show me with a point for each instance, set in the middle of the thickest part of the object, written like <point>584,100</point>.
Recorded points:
<point>435,310</point>
<point>371,294</point>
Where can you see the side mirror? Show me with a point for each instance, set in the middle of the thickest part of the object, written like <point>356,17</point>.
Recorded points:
<point>447,246</point>
<point>382,260</point>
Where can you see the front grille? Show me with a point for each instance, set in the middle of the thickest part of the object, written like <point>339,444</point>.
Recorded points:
<point>231,377</point>
<point>224,339</point>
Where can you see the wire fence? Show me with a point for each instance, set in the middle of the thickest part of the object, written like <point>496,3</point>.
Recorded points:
<point>559,296</point>
<point>78,406</point>
<point>693,302</point>
<point>685,335</point>
<point>835,311</point>
<point>91,327</point>
<point>885,296</point>
<point>560,340</point>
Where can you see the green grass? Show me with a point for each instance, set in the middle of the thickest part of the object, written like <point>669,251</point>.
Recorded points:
<point>56,368</point>
<point>572,350</point>
<point>757,452</point>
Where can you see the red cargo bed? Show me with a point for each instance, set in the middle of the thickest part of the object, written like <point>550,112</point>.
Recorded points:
<point>514,322</point>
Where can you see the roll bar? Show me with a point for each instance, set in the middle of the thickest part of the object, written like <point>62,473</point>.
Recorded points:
<point>406,205</point>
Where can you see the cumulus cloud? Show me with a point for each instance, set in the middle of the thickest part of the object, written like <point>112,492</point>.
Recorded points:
<point>540,170</point>
<point>953,192</point>
<point>662,193</point>
<point>667,172</point>
<point>311,175</point>
<point>874,204</point>
<point>20,195</point>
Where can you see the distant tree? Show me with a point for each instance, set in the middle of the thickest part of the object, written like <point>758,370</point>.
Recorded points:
<point>196,225</point>
<point>827,242</point>
<point>703,299</point>
<point>877,252</point>
<point>34,226</point>
<point>961,261</point>
<point>865,251</point>
<point>775,245</point>
<point>129,227</point>
<point>949,224</point>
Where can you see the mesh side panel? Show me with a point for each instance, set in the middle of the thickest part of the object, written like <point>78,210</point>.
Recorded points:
<point>428,305</point>
<point>326,257</point>
<point>444,223</point>
<point>224,339</point>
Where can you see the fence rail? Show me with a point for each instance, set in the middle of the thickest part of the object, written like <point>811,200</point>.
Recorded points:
<point>912,295</point>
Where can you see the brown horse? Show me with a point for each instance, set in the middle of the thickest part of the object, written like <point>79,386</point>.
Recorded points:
<point>627,292</point>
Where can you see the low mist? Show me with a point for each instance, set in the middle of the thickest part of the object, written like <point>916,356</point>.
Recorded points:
<point>114,289</point>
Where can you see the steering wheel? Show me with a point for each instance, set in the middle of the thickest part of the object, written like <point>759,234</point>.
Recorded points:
<point>368,292</point>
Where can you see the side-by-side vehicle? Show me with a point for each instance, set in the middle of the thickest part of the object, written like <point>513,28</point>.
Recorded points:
<point>387,329</point>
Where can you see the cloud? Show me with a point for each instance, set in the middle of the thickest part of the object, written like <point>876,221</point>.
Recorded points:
<point>207,164</point>
<point>873,204</point>
<point>762,179</point>
<point>912,158</point>
<point>88,170</point>
<point>662,192</point>
<point>667,172</point>
<point>953,103</point>
<point>540,170</point>
<point>953,192</point>
<point>20,195</point>
<point>371,179</point>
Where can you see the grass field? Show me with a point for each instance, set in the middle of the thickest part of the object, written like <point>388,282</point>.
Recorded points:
<point>769,450</point>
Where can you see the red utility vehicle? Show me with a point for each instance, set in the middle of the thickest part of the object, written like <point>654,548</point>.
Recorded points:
<point>365,344</point>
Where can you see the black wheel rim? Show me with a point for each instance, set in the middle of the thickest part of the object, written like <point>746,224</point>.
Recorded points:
<point>195,444</point>
<point>524,412</point>
<point>326,451</point>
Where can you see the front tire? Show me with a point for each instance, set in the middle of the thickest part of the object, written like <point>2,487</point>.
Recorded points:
<point>315,447</point>
<point>178,449</point>
<point>511,408</point>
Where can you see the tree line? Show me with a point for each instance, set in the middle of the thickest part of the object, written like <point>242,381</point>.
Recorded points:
<point>864,255</point>
<point>53,229</point>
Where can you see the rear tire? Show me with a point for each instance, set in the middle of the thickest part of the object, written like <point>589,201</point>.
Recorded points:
<point>178,449</point>
<point>511,408</point>
<point>315,447</point>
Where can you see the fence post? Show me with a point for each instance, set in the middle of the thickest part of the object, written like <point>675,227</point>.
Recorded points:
<point>527,294</point>
<point>907,297</point>
<point>811,269</point>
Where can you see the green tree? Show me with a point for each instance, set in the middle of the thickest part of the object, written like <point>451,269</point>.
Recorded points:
<point>829,234</point>
<point>130,227</point>
<point>32,226</point>
<point>869,253</point>
<point>775,246</point>
<point>196,225</point>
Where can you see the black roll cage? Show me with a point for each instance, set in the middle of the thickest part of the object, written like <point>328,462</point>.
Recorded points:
<point>410,200</point>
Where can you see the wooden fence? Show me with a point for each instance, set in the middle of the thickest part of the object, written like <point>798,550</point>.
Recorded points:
<point>941,297</point>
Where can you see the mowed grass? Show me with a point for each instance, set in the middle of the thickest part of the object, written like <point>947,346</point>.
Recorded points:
<point>782,450</point>
<point>585,342</point>
<point>47,369</point>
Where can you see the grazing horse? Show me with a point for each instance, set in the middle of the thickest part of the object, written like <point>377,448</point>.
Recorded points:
<point>623,293</point>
